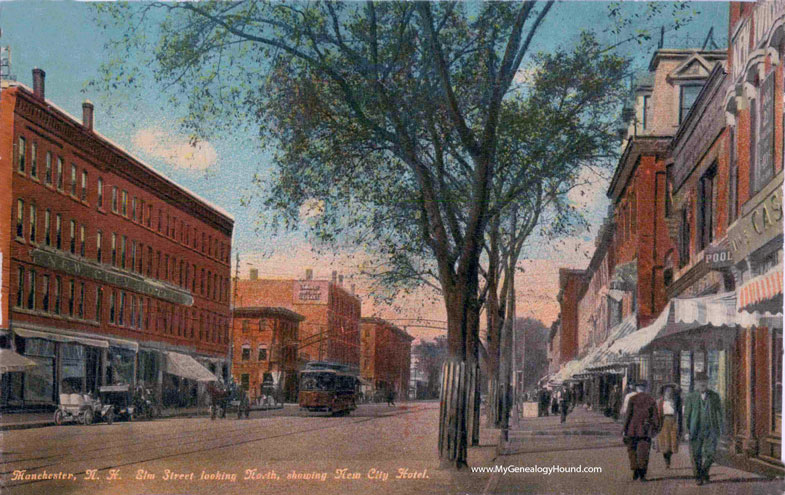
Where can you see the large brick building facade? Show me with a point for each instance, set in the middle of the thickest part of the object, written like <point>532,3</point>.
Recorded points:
<point>331,329</point>
<point>265,345</point>
<point>110,271</point>
<point>385,356</point>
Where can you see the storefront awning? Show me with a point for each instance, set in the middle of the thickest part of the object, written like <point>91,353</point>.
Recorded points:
<point>185,366</point>
<point>60,337</point>
<point>680,315</point>
<point>762,293</point>
<point>11,361</point>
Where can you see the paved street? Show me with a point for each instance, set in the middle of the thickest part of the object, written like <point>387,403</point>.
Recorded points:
<point>375,437</point>
<point>376,440</point>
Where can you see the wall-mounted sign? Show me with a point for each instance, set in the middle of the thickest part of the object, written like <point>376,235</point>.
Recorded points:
<point>718,257</point>
<point>765,167</point>
<point>63,263</point>
<point>761,221</point>
<point>310,292</point>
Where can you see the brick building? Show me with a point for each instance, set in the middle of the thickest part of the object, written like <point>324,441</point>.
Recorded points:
<point>265,345</point>
<point>753,105</point>
<point>331,329</point>
<point>571,284</point>
<point>385,356</point>
<point>110,271</point>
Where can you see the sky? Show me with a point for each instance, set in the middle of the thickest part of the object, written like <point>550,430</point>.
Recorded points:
<point>63,39</point>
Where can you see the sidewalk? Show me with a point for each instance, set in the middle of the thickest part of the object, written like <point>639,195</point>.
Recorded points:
<point>589,439</point>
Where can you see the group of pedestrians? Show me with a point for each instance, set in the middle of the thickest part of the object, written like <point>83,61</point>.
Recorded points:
<point>647,419</point>
<point>558,401</point>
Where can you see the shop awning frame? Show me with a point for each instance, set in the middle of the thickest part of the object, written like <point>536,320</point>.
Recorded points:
<point>11,362</point>
<point>185,366</point>
<point>762,293</point>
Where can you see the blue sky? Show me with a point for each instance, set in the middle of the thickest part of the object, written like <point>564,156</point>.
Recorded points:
<point>62,39</point>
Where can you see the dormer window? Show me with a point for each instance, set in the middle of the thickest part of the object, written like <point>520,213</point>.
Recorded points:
<point>688,95</point>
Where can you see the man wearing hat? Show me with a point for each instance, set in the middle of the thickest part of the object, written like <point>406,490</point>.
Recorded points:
<point>703,416</point>
<point>641,424</point>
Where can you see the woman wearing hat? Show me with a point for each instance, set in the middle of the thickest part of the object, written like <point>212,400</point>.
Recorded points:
<point>669,407</point>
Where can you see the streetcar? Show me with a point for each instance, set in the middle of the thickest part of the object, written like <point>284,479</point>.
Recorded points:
<point>328,387</point>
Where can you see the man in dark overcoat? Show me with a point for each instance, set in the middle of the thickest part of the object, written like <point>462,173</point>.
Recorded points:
<point>640,425</point>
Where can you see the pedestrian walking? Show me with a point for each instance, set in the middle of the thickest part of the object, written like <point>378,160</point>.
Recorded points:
<point>669,408</point>
<point>391,398</point>
<point>703,414</point>
<point>564,403</point>
<point>627,396</point>
<point>555,403</point>
<point>641,424</point>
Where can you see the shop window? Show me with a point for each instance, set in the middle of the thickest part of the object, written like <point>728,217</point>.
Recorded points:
<point>687,95</point>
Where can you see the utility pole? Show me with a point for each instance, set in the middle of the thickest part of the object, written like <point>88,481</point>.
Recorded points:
<point>234,303</point>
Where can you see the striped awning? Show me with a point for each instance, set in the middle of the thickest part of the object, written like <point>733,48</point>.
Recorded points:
<point>762,293</point>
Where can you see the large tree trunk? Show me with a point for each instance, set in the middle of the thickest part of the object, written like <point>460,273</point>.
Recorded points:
<point>458,373</point>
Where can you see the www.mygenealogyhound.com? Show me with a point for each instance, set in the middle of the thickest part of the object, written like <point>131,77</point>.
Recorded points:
<point>546,470</point>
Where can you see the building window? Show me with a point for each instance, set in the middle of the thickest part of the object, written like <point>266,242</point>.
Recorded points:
<point>34,159</point>
<point>81,240</point>
<point>262,353</point>
<point>763,165</point>
<point>33,222</point>
<point>133,209</point>
<point>114,249</point>
<point>99,242</point>
<point>99,299</point>
<point>58,231</point>
<point>84,185</point>
<point>245,382</point>
<point>60,173</point>
<point>707,194</point>
<point>141,256</point>
<point>646,112</point>
<point>112,302</point>
<point>20,219</point>
<point>80,307</point>
<point>48,170</point>
<point>246,353</point>
<point>114,199</point>
<point>684,238</point>
<point>121,312</point>
<point>71,290</point>
<point>124,203</point>
<point>133,310</point>
<point>149,216</point>
<point>123,246</point>
<point>20,289</point>
<point>160,220</point>
<point>22,154</point>
<point>31,291</point>
<point>733,193</point>
<point>72,244</point>
<point>133,255</point>
<point>58,292</point>
<point>73,180</point>
<point>100,199</point>
<point>45,294</point>
<point>687,96</point>
<point>48,227</point>
<point>149,261</point>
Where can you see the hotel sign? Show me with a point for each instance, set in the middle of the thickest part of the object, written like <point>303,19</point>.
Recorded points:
<point>80,268</point>
<point>761,221</point>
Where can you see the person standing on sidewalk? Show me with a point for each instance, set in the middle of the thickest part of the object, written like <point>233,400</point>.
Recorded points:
<point>669,408</point>
<point>640,425</point>
<point>625,404</point>
<point>703,413</point>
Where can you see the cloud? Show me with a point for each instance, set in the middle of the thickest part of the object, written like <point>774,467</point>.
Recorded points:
<point>175,149</point>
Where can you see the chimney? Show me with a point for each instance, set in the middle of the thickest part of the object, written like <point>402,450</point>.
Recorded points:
<point>335,276</point>
<point>254,273</point>
<point>309,274</point>
<point>340,280</point>
<point>39,76</point>
<point>87,115</point>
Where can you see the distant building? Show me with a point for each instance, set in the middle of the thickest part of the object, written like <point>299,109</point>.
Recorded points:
<point>331,329</point>
<point>385,356</point>
<point>571,284</point>
<point>265,346</point>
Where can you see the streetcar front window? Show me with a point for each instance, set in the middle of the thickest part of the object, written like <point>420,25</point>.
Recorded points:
<point>317,381</point>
